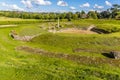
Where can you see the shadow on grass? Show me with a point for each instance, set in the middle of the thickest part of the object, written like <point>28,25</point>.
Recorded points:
<point>108,55</point>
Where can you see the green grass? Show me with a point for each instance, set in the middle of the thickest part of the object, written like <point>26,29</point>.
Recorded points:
<point>107,25</point>
<point>30,30</point>
<point>21,65</point>
<point>96,43</point>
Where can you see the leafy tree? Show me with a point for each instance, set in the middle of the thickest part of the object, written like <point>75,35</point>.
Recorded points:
<point>62,16</point>
<point>118,16</point>
<point>83,14</point>
<point>75,16</point>
<point>92,15</point>
<point>115,9</point>
<point>69,16</point>
<point>78,15</point>
<point>105,14</point>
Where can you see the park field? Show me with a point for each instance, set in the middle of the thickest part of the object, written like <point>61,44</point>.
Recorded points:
<point>58,55</point>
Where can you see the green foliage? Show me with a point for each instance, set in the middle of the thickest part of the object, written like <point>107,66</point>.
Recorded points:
<point>109,28</point>
<point>105,14</point>
<point>109,13</point>
<point>69,16</point>
<point>95,43</point>
<point>92,15</point>
<point>117,16</point>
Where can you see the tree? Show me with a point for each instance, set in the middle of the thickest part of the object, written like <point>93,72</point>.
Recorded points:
<point>83,14</point>
<point>75,16</point>
<point>69,16</point>
<point>118,16</point>
<point>92,15</point>
<point>115,9</point>
<point>105,14</point>
<point>62,16</point>
<point>78,15</point>
<point>98,15</point>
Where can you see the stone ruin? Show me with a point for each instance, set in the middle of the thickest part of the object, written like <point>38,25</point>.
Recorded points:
<point>115,54</point>
<point>15,36</point>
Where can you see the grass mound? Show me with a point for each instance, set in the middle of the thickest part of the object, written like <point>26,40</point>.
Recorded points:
<point>97,66</point>
<point>95,43</point>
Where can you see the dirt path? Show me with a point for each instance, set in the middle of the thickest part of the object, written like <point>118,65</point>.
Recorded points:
<point>3,26</point>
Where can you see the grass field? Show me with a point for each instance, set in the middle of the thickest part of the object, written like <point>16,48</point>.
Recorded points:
<point>59,61</point>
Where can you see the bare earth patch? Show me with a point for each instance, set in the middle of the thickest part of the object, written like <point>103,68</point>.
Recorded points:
<point>78,31</point>
<point>74,30</point>
<point>3,26</point>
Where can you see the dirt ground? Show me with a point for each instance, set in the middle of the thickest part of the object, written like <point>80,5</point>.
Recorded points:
<point>77,31</point>
<point>2,26</point>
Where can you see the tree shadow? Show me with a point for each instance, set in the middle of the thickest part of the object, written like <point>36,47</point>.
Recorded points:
<point>108,55</point>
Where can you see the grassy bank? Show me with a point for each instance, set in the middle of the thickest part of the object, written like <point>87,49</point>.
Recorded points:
<point>89,64</point>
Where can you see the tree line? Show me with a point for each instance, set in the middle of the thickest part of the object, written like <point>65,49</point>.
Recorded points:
<point>111,13</point>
